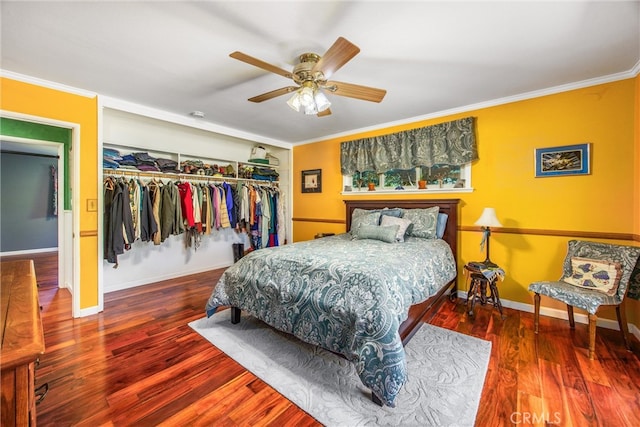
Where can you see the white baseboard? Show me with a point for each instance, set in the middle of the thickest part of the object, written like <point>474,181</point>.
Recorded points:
<point>153,279</point>
<point>562,314</point>
<point>89,311</point>
<point>28,251</point>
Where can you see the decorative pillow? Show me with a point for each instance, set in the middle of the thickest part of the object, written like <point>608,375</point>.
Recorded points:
<point>424,221</point>
<point>358,212</point>
<point>377,232</point>
<point>402,223</point>
<point>395,212</point>
<point>441,226</point>
<point>598,275</point>
<point>363,219</point>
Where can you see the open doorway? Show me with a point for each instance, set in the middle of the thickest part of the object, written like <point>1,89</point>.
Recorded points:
<point>27,137</point>
<point>32,220</point>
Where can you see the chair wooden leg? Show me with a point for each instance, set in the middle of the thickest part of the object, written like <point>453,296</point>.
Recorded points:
<point>572,322</point>
<point>536,316</point>
<point>622,322</point>
<point>592,335</point>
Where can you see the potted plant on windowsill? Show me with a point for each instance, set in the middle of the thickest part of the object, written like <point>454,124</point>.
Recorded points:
<point>422,182</point>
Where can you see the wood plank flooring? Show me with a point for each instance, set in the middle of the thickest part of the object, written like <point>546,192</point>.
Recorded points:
<point>138,363</point>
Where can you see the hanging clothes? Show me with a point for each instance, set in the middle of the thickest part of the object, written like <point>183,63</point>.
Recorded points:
<point>273,225</point>
<point>196,199</point>
<point>148,224</point>
<point>224,213</point>
<point>53,209</point>
<point>265,221</point>
<point>118,229</point>
<point>281,227</point>
<point>155,191</point>
<point>206,214</point>
<point>135,204</point>
<point>171,212</point>
<point>228,192</point>
<point>186,202</point>
<point>153,210</point>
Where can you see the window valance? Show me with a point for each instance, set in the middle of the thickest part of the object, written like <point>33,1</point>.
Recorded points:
<point>452,143</point>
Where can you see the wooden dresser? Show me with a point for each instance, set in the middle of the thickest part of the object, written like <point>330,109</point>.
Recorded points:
<point>22,341</point>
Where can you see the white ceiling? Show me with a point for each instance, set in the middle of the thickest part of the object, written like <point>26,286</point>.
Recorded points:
<point>431,57</point>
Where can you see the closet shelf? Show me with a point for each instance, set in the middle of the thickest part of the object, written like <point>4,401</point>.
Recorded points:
<point>242,170</point>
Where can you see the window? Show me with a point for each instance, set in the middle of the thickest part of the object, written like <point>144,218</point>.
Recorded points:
<point>396,178</point>
<point>441,175</point>
<point>362,179</point>
<point>437,177</point>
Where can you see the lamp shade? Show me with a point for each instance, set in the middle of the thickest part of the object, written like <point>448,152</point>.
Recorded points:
<point>321,101</point>
<point>306,96</point>
<point>294,102</point>
<point>488,218</point>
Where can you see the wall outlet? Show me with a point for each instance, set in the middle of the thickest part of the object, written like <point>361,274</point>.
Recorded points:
<point>92,205</point>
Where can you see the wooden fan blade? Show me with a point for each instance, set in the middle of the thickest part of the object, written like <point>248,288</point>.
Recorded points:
<point>261,64</point>
<point>273,94</point>
<point>336,56</point>
<point>350,90</point>
<point>326,112</point>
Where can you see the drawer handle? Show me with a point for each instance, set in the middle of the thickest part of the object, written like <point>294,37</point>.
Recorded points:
<point>41,392</point>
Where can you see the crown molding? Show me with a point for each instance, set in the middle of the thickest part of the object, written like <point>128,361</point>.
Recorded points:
<point>192,122</point>
<point>633,72</point>
<point>47,84</point>
<point>636,69</point>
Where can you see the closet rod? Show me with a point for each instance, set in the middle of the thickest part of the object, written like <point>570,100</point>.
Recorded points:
<point>187,176</point>
<point>21,153</point>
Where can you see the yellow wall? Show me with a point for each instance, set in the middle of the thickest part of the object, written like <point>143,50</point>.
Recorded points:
<point>636,156</point>
<point>47,103</point>
<point>633,311</point>
<point>503,177</point>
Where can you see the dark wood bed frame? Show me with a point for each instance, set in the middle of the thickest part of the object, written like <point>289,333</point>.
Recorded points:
<point>418,313</point>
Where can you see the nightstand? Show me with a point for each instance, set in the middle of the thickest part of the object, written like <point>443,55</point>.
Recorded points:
<point>321,235</point>
<point>479,278</point>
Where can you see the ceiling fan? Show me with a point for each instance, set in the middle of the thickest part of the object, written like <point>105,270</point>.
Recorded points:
<point>311,75</point>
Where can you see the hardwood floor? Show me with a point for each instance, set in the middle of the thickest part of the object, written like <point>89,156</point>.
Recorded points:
<point>138,363</point>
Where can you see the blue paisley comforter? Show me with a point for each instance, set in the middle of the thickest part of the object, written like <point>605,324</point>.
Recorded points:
<point>347,296</point>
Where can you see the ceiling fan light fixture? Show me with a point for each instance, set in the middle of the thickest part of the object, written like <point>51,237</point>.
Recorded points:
<point>309,99</point>
<point>322,103</point>
<point>294,102</point>
<point>306,96</point>
<point>311,109</point>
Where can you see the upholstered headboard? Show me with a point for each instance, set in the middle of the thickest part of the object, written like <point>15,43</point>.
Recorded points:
<point>447,206</point>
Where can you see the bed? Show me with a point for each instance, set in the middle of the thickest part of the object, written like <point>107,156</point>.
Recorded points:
<point>356,294</point>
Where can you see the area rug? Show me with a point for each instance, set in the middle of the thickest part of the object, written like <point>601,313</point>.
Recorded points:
<point>446,374</point>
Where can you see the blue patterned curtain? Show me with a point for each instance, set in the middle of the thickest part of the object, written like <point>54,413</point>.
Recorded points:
<point>451,143</point>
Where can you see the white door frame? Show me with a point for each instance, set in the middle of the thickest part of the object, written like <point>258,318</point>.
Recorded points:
<point>65,233</point>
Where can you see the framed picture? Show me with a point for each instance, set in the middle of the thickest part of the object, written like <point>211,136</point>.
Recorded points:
<point>566,160</point>
<point>312,181</point>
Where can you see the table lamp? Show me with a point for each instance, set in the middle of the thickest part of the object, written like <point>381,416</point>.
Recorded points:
<point>487,220</point>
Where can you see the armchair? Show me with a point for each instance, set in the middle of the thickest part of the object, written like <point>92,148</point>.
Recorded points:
<point>586,297</point>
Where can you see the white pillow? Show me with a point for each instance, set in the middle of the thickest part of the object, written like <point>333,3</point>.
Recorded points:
<point>402,224</point>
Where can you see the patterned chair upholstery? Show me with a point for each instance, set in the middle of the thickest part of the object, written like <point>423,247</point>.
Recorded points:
<point>588,299</point>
